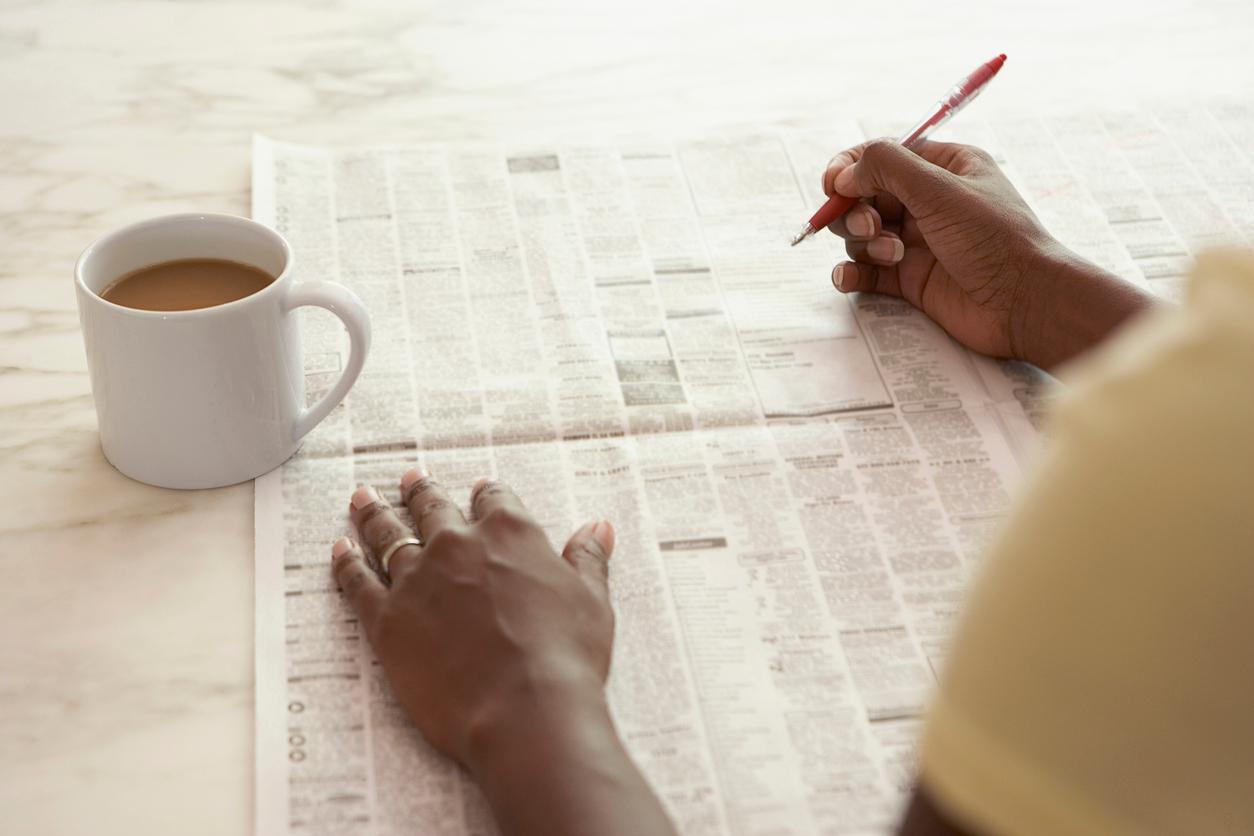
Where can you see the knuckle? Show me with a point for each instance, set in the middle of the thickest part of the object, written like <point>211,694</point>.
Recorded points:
<point>370,514</point>
<point>978,154</point>
<point>436,505</point>
<point>491,489</point>
<point>449,540</point>
<point>424,484</point>
<point>592,550</point>
<point>506,519</point>
<point>879,151</point>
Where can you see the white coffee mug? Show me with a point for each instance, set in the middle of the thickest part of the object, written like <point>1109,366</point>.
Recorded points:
<point>211,396</point>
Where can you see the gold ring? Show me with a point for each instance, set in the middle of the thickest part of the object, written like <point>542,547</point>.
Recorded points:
<point>386,557</point>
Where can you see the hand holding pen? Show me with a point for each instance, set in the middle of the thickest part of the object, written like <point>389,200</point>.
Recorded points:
<point>958,97</point>
<point>941,227</point>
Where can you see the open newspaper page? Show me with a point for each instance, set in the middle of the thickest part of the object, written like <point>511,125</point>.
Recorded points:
<point>801,481</point>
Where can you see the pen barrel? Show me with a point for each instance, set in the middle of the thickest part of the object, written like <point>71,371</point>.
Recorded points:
<point>954,100</point>
<point>956,95</point>
<point>919,132</point>
<point>836,206</point>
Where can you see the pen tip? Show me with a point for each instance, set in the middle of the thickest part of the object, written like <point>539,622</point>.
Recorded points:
<point>805,233</point>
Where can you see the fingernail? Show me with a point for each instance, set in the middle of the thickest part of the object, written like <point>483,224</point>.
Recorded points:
<point>365,495</point>
<point>886,249</point>
<point>841,275</point>
<point>844,180</point>
<point>603,533</point>
<point>859,223</point>
<point>412,475</point>
<point>341,545</point>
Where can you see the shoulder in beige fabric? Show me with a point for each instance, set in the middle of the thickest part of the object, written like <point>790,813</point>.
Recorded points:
<point>1102,678</point>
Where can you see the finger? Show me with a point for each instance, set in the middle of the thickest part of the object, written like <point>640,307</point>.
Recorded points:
<point>359,584</point>
<point>916,273</point>
<point>589,550</point>
<point>963,160</point>
<point>850,276</point>
<point>891,211</point>
<point>380,527</point>
<point>885,166</point>
<point>861,223</point>
<point>952,156</point>
<point>488,495</point>
<point>885,205</point>
<point>886,250</point>
<point>429,504</point>
<point>836,165</point>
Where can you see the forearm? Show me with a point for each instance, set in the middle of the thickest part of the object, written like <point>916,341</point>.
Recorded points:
<point>559,769</point>
<point>1073,306</point>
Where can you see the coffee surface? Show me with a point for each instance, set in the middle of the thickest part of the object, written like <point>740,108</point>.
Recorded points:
<point>186,284</point>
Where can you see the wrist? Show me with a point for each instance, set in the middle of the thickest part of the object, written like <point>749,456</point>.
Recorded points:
<point>553,764</point>
<point>1069,306</point>
<point>537,714</point>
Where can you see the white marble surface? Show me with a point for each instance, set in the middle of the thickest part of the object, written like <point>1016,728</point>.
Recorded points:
<point>126,611</point>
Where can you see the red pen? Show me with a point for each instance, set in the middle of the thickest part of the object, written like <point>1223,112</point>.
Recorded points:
<point>958,97</point>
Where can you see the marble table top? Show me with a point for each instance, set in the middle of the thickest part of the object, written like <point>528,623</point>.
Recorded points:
<point>126,611</point>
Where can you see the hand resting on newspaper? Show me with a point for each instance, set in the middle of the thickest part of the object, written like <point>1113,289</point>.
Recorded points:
<point>498,646</point>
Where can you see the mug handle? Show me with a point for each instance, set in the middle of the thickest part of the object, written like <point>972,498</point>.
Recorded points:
<point>342,302</point>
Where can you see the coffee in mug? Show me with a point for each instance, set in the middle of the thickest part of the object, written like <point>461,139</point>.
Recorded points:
<point>194,348</point>
<point>186,284</point>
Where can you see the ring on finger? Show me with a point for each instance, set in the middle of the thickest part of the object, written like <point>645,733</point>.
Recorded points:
<point>386,558</point>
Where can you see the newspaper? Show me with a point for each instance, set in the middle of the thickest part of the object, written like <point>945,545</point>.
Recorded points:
<point>801,481</point>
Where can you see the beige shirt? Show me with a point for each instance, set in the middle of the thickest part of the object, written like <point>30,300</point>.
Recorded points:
<point>1102,678</point>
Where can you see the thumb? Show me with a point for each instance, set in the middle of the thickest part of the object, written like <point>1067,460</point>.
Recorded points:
<point>886,166</point>
<point>589,550</point>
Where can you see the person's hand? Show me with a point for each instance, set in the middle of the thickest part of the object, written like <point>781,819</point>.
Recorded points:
<point>484,621</point>
<point>498,649</point>
<point>941,227</point>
